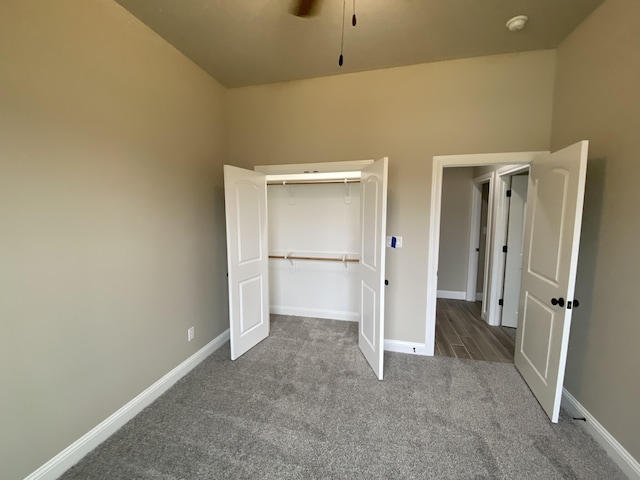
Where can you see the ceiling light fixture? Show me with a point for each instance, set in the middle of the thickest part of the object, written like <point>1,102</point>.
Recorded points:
<point>516,23</point>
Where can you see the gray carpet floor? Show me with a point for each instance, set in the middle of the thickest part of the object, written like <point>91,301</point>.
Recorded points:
<point>305,404</point>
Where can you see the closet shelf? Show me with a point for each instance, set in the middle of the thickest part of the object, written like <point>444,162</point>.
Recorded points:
<point>322,259</point>
<point>313,178</point>
<point>312,182</point>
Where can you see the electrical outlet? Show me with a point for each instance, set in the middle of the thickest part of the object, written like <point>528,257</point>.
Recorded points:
<point>191,333</point>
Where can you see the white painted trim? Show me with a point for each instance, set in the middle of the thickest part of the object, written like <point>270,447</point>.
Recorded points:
<point>315,313</point>
<point>94,437</point>
<point>432,256</point>
<point>405,347</point>
<point>510,170</point>
<point>479,296</point>
<point>629,465</point>
<point>486,289</point>
<point>452,294</point>
<point>484,178</point>
<point>439,162</point>
<point>495,265</point>
<point>474,236</point>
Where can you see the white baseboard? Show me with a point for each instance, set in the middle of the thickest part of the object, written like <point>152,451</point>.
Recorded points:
<point>617,452</point>
<point>315,313</point>
<point>405,347</point>
<point>452,294</point>
<point>90,440</point>
<point>479,296</point>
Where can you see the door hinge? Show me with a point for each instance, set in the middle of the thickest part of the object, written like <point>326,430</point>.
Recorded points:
<point>509,193</point>
<point>501,302</point>
<point>504,249</point>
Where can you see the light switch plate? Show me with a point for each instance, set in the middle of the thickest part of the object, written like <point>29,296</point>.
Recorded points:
<point>394,242</point>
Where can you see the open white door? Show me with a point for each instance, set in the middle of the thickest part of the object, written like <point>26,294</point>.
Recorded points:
<point>550,258</point>
<point>513,262</point>
<point>245,193</point>
<point>373,216</point>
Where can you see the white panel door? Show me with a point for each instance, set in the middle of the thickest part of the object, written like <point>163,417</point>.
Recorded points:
<point>245,194</point>
<point>550,258</point>
<point>372,259</point>
<point>513,262</point>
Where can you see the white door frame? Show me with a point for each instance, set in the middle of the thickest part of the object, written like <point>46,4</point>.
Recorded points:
<point>500,227</point>
<point>474,237</point>
<point>439,163</point>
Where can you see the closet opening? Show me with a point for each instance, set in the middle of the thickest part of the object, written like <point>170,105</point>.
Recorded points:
<point>307,240</point>
<point>314,247</point>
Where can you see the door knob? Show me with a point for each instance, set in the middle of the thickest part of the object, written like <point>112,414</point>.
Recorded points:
<point>557,301</point>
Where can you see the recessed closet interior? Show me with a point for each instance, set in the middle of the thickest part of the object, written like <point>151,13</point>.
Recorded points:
<point>314,247</point>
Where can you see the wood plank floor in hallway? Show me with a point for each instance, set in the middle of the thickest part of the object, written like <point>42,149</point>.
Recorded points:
<point>461,332</point>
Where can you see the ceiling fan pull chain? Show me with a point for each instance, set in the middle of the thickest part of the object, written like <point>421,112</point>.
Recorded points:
<point>353,19</point>
<point>341,58</point>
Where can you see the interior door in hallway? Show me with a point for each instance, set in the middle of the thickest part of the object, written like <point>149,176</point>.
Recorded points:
<point>513,261</point>
<point>550,258</point>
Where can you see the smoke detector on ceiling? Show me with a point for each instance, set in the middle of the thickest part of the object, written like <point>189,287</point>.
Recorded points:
<point>516,24</point>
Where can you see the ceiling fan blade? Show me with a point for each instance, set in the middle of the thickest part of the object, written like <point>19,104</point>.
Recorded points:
<point>305,8</point>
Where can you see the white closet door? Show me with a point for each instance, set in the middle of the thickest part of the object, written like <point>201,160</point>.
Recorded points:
<point>247,257</point>
<point>372,263</point>
<point>552,236</point>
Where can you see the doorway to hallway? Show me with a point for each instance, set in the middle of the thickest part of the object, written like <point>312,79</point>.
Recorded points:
<point>462,333</point>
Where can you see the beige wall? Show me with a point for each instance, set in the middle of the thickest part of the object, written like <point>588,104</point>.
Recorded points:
<point>455,215</point>
<point>409,114</point>
<point>112,219</point>
<point>112,241</point>
<point>597,98</point>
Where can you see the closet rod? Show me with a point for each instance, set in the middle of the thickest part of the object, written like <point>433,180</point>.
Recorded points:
<point>311,182</point>
<point>323,259</point>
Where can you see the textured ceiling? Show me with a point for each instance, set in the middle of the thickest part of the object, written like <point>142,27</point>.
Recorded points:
<point>250,42</point>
